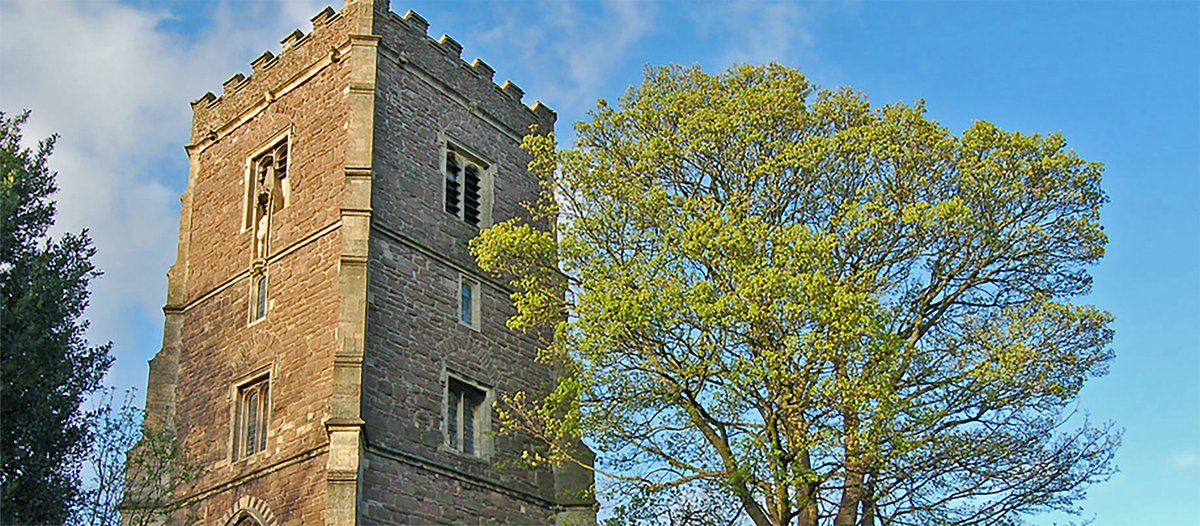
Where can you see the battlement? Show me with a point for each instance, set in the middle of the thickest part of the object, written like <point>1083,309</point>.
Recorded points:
<point>404,39</point>
<point>271,74</point>
<point>407,41</point>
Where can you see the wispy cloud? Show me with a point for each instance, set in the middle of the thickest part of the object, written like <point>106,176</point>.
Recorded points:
<point>571,49</point>
<point>758,32</point>
<point>115,83</point>
<point>783,31</point>
<point>1189,460</point>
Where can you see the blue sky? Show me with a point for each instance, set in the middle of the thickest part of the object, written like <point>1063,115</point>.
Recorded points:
<point>1120,80</point>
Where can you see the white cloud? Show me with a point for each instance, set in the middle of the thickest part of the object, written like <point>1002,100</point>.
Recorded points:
<point>570,51</point>
<point>1186,460</point>
<point>758,32</point>
<point>115,83</point>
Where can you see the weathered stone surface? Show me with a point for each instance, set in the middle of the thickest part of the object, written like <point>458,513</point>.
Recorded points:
<point>364,265</point>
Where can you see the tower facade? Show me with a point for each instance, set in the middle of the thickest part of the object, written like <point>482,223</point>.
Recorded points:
<point>331,352</point>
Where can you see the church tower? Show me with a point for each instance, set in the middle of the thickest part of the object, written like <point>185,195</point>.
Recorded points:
<point>331,352</point>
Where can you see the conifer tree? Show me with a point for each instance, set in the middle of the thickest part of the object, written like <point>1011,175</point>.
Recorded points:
<point>47,367</point>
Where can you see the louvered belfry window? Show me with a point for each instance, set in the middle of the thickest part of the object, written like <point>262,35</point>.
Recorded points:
<point>453,186</point>
<point>464,186</point>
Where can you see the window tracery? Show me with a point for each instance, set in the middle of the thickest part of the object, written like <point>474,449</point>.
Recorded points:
<point>268,190</point>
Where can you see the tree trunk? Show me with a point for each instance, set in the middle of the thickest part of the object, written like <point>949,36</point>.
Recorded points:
<point>868,514</point>
<point>868,502</point>
<point>753,509</point>
<point>808,508</point>
<point>851,498</point>
<point>806,502</point>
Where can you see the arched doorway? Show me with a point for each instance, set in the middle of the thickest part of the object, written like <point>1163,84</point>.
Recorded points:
<point>244,518</point>
<point>250,511</point>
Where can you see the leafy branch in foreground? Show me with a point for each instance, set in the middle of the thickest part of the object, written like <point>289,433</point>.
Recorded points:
<point>135,471</point>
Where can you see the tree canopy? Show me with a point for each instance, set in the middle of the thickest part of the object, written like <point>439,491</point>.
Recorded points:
<point>801,308</point>
<point>47,367</point>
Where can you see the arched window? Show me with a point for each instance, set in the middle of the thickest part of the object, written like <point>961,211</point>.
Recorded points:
<point>251,416</point>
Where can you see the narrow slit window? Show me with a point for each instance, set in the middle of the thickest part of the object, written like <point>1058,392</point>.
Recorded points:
<point>259,301</point>
<point>468,302</point>
<point>467,299</point>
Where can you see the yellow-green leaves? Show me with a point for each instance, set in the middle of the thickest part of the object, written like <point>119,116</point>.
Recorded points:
<point>780,293</point>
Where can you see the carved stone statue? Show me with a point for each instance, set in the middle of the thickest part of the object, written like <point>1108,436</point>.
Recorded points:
<point>261,227</point>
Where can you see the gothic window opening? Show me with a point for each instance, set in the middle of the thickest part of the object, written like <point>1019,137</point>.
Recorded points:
<point>466,418</point>
<point>250,418</point>
<point>268,190</point>
<point>465,186</point>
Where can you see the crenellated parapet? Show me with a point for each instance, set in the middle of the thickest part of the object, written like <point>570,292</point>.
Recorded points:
<point>271,75</point>
<point>404,39</point>
<point>439,61</point>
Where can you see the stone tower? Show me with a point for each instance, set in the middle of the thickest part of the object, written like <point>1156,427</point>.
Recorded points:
<point>331,352</point>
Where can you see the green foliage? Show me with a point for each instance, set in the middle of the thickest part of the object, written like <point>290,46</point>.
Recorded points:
<point>114,430</point>
<point>46,366</point>
<point>134,470</point>
<point>823,311</point>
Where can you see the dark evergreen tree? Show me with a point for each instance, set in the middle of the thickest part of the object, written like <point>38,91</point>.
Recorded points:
<point>47,368</point>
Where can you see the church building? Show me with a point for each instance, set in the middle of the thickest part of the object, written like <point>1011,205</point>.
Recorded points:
<point>331,352</point>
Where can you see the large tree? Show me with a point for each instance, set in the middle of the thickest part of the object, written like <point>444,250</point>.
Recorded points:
<point>811,309</point>
<point>47,367</point>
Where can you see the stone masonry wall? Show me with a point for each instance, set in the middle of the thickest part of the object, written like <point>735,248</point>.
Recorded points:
<point>426,95</point>
<point>413,338</point>
<point>315,113</point>
<point>293,342</point>
<point>423,95</point>
<point>301,92</point>
<point>440,499</point>
<point>290,495</point>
